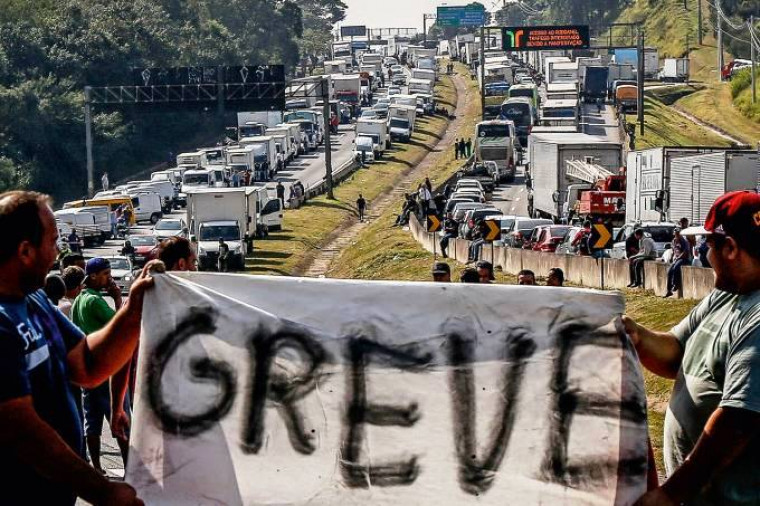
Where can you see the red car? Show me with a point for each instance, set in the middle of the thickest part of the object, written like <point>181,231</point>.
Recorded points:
<point>547,238</point>
<point>145,249</point>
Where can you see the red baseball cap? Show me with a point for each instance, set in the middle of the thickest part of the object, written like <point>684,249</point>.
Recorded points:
<point>735,214</point>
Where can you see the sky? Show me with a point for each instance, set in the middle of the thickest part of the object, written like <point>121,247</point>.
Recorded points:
<point>393,13</point>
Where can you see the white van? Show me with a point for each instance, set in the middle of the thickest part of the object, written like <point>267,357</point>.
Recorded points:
<point>84,223</point>
<point>165,189</point>
<point>147,205</point>
<point>195,179</point>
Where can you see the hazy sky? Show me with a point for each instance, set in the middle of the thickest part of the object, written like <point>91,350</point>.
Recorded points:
<point>393,13</point>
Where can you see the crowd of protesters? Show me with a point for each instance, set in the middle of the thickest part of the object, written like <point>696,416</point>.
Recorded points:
<point>47,355</point>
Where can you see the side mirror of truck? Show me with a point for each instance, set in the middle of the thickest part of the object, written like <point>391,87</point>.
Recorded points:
<point>555,197</point>
<point>659,201</point>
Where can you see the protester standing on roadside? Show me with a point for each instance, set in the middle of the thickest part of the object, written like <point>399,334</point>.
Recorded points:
<point>468,147</point>
<point>91,313</point>
<point>469,276</point>
<point>73,277</point>
<point>456,149</point>
<point>485,272</point>
<point>222,263</point>
<point>361,205</point>
<point>40,353</point>
<point>178,254</point>
<point>712,424</point>
<point>54,288</point>
<point>280,188</point>
<point>556,277</point>
<point>441,272</point>
<point>526,278</point>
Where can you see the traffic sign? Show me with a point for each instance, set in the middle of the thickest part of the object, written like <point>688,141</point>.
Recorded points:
<point>601,236</point>
<point>433,223</point>
<point>539,38</point>
<point>353,31</point>
<point>455,17</point>
<point>494,230</point>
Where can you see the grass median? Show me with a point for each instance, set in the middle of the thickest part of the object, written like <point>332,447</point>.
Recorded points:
<point>306,230</point>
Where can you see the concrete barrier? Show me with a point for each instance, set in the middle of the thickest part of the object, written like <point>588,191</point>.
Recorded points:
<point>616,273</point>
<point>656,277</point>
<point>585,271</point>
<point>697,282</point>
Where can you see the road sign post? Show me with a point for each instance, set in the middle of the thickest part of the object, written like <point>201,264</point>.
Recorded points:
<point>600,239</point>
<point>433,223</point>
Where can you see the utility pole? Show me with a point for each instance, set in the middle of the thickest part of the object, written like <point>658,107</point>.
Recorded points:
<point>328,140</point>
<point>640,81</point>
<point>720,41</point>
<point>754,53</point>
<point>482,70</point>
<point>424,30</point>
<point>88,140</point>
<point>699,22</point>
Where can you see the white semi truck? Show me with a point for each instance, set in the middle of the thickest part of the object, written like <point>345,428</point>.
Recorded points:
<point>549,154</point>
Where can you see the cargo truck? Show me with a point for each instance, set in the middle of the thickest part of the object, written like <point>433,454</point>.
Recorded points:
<point>422,86</point>
<point>562,72</point>
<point>258,153</point>
<point>675,70</point>
<point>424,74</point>
<point>222,213</point>
<point>283,136</point>
<point>629,56</point>
<point>347,88</point>
<point>377,129</point>
<point>401,121</point>
<point>594,84</point>
<point>649,178</point>
<point>549,154</point>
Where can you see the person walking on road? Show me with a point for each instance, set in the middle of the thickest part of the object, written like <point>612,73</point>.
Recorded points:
<point>647,250</point>
<point>281,193</point>
<point>712,424</point>
<point>90,312</point>
<point>361,205</point>
<point>40,429</point>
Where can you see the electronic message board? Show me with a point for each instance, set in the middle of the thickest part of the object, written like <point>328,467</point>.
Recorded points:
<point>537,38</point>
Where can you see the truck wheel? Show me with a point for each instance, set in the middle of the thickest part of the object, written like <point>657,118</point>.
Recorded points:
<point>154,218</point>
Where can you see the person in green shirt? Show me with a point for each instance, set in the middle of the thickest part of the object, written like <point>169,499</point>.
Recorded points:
<point>90,312</point>
<point>712,424</point>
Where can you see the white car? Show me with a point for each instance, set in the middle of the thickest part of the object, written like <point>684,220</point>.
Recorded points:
<point>121,272</point>
<point>397,69</point>
<point>170,227</point>
<point>394,90</point>
<point>469,183</point>
<point>473,196</point>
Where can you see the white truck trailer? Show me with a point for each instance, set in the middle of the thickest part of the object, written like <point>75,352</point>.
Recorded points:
<point>378,130</point>
<point>648,176</point>
<point>549,154</point>
<point>401,121</point>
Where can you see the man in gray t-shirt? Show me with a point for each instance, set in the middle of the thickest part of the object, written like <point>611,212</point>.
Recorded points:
<point>712,425</point>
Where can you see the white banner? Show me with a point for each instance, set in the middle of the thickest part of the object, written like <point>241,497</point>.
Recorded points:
<point>284,391</point>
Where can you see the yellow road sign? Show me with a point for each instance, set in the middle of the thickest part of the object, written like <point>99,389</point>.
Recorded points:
<point>494,230</point>
<point>433,223</point>
<point>601,236</point>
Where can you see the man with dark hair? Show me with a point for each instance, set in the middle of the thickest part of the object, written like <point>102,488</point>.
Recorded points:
<point>441,272</point>
<point>556,277</point>
<point>485,272</point>
<point>526,278</point>
<point>91,313</point>
<point>72,259</point>
<point>647,251</point>
<point>40,353</point>
<point>177,254</point>
<point>712,424</point>
<point>469,276</point>
<point>55,288</point>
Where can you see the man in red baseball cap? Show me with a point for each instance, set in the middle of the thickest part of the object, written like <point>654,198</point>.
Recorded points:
<point>712,425</point>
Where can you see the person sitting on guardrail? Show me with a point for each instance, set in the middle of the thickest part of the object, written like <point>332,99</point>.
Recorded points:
<point>581,241</point>
<point>409,207</point>
<point>647,251</point>
<point>479,233</point>
<point>681,257</point>
<point>450,231</point>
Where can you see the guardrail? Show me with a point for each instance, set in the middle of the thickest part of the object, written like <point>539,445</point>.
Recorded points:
<point>604,273</point>
<point>339,175</point>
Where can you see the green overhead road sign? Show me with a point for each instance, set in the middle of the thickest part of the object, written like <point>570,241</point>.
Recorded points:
<point>455,17</point>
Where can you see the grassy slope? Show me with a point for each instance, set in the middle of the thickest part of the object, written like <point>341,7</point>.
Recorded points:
<point>665,127</point>
<point>383,251</point>
<point>666,26</point>
<point>307,229</point>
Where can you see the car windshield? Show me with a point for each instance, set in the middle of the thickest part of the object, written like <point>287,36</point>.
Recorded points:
<point>364,143</point>
<point>168,225</point>
<point>195,179</point>
<point>521,92</point>
<point>493,130</point>
<point>160,177</point>
<point>118,263</point>
<point>660,234</point>
<point>559,232</point>
<point>399,123</point>
<point>214,232</point>
<point>143,240</point>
